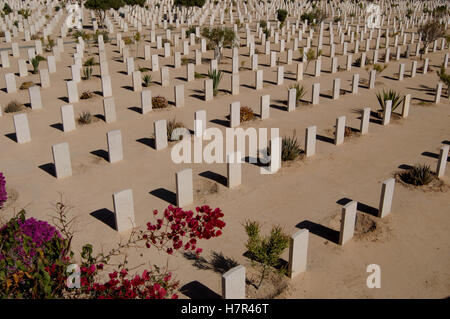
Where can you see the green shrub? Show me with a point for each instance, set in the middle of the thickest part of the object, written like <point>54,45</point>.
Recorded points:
<point>390,95</point>
<point>417,175</point>
<point>89,62</point>
<point>265,251</point>
<point>290,148</point>
<point>87,72</point>
<point>33,259</point>
<point>35,63</point>
<point>282,15</point>
<point>147,79</point>
<point>216,76</point>
<point>198,75</point>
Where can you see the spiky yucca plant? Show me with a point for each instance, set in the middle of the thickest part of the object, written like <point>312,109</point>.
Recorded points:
<point>445,78</point>
<point>300,89</point>
<point>391,95</point>
<point>87,72</point>
<point>147,79</point>
<point>417,175</point>
<point>35,63</point>
<point>216,76</point>
<point>89,62</point>
<point>290,148</point>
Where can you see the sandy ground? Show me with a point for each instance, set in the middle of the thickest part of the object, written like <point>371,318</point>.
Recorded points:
<point>411,245</point>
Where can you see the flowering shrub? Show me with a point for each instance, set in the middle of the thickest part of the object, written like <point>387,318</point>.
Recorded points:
<point>34,256</point>
<point>3,193</point>
<point>178,228</point>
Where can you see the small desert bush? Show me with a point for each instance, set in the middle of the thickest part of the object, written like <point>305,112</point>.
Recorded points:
<point>105,36</point>
<point>198,75</point>
<point>184,61</point>
<point>89,62</point>
<point>85,117</point>
<point>391,95</point>
<point>417,175</point>
<point>143,69</point>
<point>86,95</point>
<point>146,80</point>
<point>25,85</point>
<point>265,251</point>
<point>127,40</point>
<point>159,102</point>
<point>290,148</point>
<point>246,114</point>
<point>379,68</point>
<point>87,72</point>
<point>13,106</point>
<point>171,126</point>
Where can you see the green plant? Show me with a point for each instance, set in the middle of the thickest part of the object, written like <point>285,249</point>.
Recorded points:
<point>25,85</point>
<point>417,175</point>
<point>445,78</point>
<point>218,38</point>
<point>25,13</point>
<point>86,95</point>
<point>127,40</point>
<point>89,62</point>
<point>104,34</point>
<point>31,253</point>
<point>216,76</point>
<point>189,4</point>
<point>431,31</point>
<point>390,95</point>
<point>300,91</point>
<point>87,72</point>
<point>199,75</point>
<point>85,117</point>
<point>282,15</point>
<point>50,44</point>
<point>137,39</point>
<point>159,102</point>
<point>7,9</point>
<point>265,251</point>
<point>100,7</point>
<point>290,148</point>
<point>263,24</point>
<point>13,106</point>
<point>246,114</point>
<point>147,79</point>
<point>190,30</point>
<point>35,63</point>
<point>171,126</point>
<point>184,60</point>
